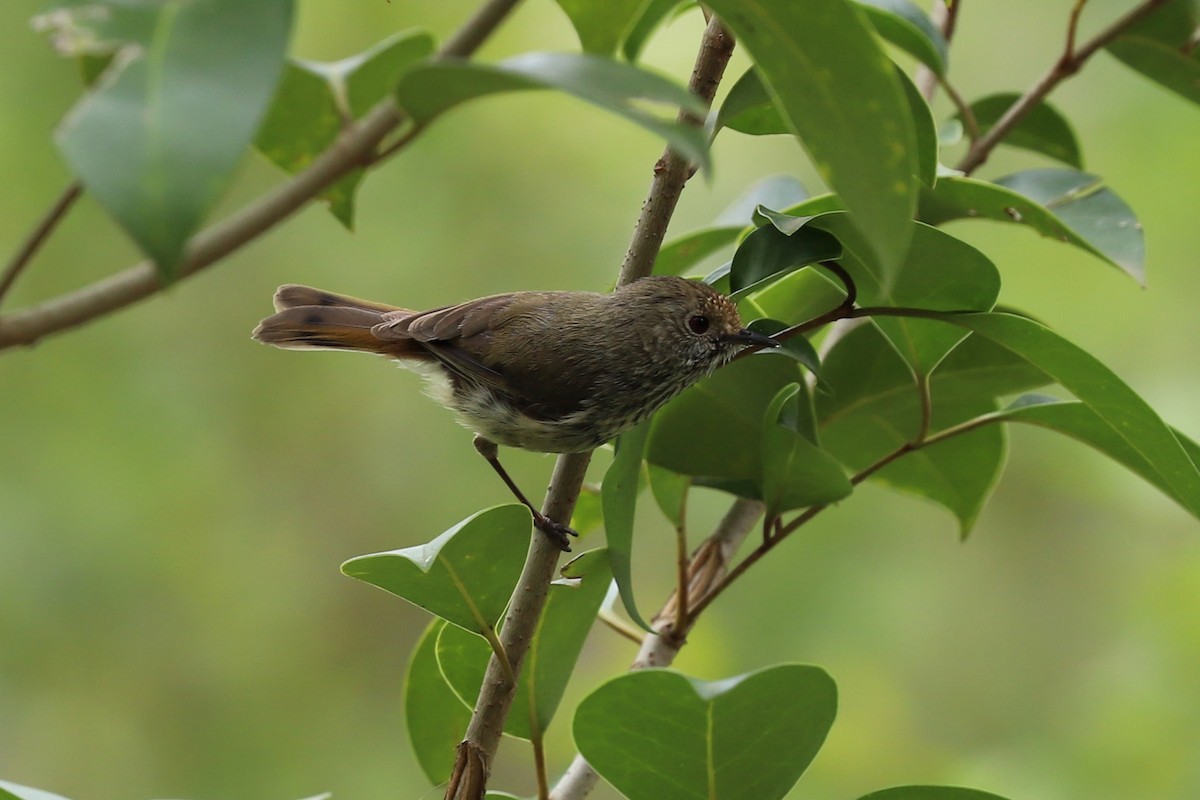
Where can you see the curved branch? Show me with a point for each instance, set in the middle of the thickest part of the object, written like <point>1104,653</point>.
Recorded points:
<point>1070,62</point>
<point>353,149</point>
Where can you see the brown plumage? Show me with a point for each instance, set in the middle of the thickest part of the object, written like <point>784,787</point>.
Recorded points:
<point>554,372</point>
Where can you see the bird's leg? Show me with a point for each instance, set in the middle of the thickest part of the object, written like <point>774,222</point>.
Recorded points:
<point>557,532</point>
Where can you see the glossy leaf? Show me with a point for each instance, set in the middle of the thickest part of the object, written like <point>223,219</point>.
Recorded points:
<point>1043,130</point>
<point>769,251</point>
<point>925,129</point>
<point>15,791</point>
<point>433,713</point>
<point>1160,47</point>
<point>1066,205</point>
<point>618,497</point>
<point>601,26</point>
<point>940,273</point>
<point>905,25</point>
<point>655,734</point>
<point>873,408</point>
<point>464,576</point>
<point>651,16</point>
<point>558,639</point>
<point>831,46</point>
<point>157,142</point>
<point>796,297</point>
<point>1082,423</point>
<point>587,515</point>
<point>930,793</point>
<point>795,472</point>
<point>670,491</point>
<point>748,108</point>
<point>714,428</point>
<point>798,347</point>
<point>315,100</point>
<point>1116,405</point>
<point>430,90</point>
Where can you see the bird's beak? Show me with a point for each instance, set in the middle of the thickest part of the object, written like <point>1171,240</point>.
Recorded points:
<point>751,338</point>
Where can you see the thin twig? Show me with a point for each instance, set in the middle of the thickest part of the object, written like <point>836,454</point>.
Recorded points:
<point>706,568</point>
<point>1073,28</point>
<point>41,231</point>
<point>945,16</point>
<point>1067,65</point>
<point>808,514</point>
<point>970,123</point>
<point>474,755</point>
<point>354,149</point>
<point>620,627</point>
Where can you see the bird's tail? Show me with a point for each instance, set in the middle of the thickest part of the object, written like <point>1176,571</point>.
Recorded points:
<point>311,319</point>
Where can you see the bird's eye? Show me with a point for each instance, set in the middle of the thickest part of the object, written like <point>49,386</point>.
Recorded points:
<point>698,324</point>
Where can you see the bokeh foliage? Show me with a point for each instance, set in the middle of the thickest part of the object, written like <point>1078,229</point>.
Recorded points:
<point>148,489</point>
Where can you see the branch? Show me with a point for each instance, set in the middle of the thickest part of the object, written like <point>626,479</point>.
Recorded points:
<point>706,569</point>
<point>1070,62</point>
<point>45,226</point>
<point>353,149</point>
<point>475,753</point>
<point>945,16</point>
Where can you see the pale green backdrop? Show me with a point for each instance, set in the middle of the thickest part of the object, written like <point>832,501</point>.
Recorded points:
<point>175,499</point>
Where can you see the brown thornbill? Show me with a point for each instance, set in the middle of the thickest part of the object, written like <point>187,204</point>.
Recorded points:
<point>553,372</point>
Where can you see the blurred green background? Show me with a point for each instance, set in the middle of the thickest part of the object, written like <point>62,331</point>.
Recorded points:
<point>175,500</point>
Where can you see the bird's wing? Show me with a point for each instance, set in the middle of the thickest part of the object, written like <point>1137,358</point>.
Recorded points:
<point>452,334</point>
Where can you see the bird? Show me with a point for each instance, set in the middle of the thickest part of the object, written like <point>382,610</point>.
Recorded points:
<point>546,371</point>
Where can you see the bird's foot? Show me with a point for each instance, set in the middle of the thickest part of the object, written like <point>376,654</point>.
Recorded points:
<point>559,534</point>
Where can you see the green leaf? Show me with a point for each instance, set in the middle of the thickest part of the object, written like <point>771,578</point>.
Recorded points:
<point>1164,65</point>
<point>588,514</point>
<point>1082,423</point>
<point>865,150</point>
<point>15,791</point>
<point>714,428</point>
<point>1043,130</point>
<point>798,347</point>
<point>905,25</point>
<point>670,491</point>
<point>1069,206</point>
<point>435,717</point>
<point>939,272</point>
<point>315,100</point>
<point>925,129</point>
<point>1160,47</point>
<point>748,108</point>
<point>157,143</point>
<point>680,254</point>
<point>657,734</point>
<point>873,408</point>
<point>796,297</point>
<point>618,496</point>
<point>571,607</point>
<point>647,22</point>
<point>769,251</point>
<point>601,26</point>
<point>795,472</point>
<point>1127,416</point>
<point>430,90</point>
<point>930,793</point>
<point>464,576</point>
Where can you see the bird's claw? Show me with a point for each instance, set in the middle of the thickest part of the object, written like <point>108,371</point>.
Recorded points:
<point>559,534</point>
